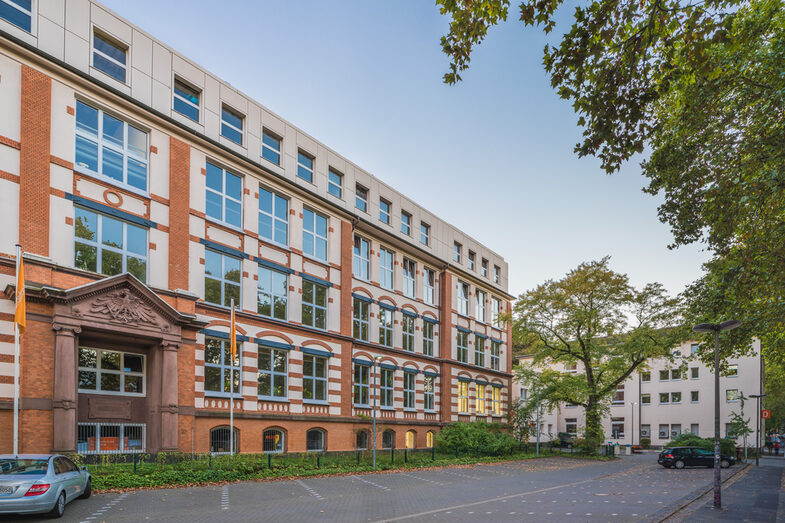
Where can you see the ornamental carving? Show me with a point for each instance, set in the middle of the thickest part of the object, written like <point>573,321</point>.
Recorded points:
<point>124,307</point>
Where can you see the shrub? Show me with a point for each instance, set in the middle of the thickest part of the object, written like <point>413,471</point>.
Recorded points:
<point>727,445</point>
<point>646,443</point>
<point>476,437</point>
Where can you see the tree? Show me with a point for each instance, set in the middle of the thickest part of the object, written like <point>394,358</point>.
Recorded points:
<point>522,417</point>
<point>699,85</point>
<point>593,317</point>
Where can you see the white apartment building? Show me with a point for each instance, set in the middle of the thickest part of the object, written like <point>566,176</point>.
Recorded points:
<point>662,401</point>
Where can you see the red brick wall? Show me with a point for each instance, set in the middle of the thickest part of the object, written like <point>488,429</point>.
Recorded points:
<point>179,205</point>
<point>346,317</point>
<point>445,344</point>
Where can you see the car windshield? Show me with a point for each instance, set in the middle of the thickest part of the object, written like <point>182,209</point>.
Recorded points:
<point>703,452</point>
<point>23,466</point>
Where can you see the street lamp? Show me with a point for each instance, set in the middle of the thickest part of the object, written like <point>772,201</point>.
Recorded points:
<point>757,426</point>
<point>632,423</point>
<point>716,328</point>
<point>376,360</point>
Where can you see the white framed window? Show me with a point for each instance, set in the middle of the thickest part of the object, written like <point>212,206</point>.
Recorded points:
<point>361,259</point>
<point>484,268</point>
<point>732,395</point>
<point>425,233</point>
<point>110,438</point>
<point>408,390</point>
<point>463,298</point>
<point>272,441</point>
<point>694,348</point>
<point>571,426</point>
<point>271,147</point>
<point>497,274</point>
<point>695,428</point>
<point>314,234</point>
<point>496,309</point>
<point>665,375</point>
<point>694,373</point>
<point>305,166</point>
<point>462,344</point>
<point>272,373</point>
<point>646,399</point>
<point>456,252</point>
<point>361,198</point>
<point>479,351</point>
<point>185,99</point>
<point>645,376</point>
<point>617,428</point>
<point>479,310</point>
<point>273,217</point>
<point>384,211</point>
<point>218,367</point>
<point>427,338</point>
<point>109,56</point>
<point>496,401</point>
<point>334,183</point>
<point>314,378</point>
<point>496,348</point>
<point>360,320</point>
<point>314,305</point>
<point>361,385</point>
<point>694,396</point>
<point>406,223</point>
<point>665,398</point>
<point>386,387</point>
<point>314,440</point>
<point>110,148</point>
<point>675,374</point>
<point>428,393</point>
<point>407,329</point>
<point>221,278</point>
<point>463,396</point>
<point>385,327</point>
<point>524,394</point>
<point>111,372</point>
<point>479,399</point>
<point>409,277</point>
<point>471,258</point>
<point>429,286</point>
<point>675,397</point>
<point>224,196</point>
<point>232,124</point>
<point>618,395</point>
<point>18,12</point>
<point>386,266</point>
<point>109,246</point>
<point>733,370</point>
<point>272,294</point>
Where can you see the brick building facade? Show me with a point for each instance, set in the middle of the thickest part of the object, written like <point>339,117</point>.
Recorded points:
<point>146,194</point>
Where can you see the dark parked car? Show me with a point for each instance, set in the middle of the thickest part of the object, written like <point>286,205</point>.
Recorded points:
<point>680,457</point>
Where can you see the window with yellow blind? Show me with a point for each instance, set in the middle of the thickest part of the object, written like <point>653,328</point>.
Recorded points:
<point>497,401</point>
<point>463,396</point>
<point>479,403</point>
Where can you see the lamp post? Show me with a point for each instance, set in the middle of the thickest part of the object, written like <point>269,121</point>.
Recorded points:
<point>376,360</point>
<point>632,424</point>
<point>716,328</point>
<point>757,426</point>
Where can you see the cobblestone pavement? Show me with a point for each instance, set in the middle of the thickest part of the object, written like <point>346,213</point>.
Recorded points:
<point>547,489</point>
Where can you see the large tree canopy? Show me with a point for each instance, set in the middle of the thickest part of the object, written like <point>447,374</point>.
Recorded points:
<point>700,86</point>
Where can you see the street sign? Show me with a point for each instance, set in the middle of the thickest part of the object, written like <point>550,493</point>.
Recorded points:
<point>765,414</point>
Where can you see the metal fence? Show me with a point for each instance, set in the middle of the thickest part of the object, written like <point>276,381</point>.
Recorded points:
<point>110,438</point>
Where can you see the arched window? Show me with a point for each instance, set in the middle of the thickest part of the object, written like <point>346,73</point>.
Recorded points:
<point>388,439</point>
<point>410,439</point>
<point>362,440</point>
<point>220,443</point>
<point>272,440</point>
<point>314,440</point>
<point>429,439</point>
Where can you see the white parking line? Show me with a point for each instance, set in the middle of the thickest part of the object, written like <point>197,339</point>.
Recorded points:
<point>459,474</point>
<point>421,479</point>
<point>225,497</point>
<point>371,483</point>
<point>100,511</point>
<point>309,489</point>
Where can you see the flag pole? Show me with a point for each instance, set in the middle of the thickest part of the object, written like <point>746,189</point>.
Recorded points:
<point>16,355</point>
<point>232,343</point>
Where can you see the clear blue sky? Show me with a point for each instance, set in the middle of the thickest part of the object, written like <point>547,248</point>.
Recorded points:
<point>493,155</point>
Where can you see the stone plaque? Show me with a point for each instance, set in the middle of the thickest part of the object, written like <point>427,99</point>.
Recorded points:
<point>109,408</point>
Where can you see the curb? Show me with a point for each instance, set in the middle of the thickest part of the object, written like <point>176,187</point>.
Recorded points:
<point>666,512</point>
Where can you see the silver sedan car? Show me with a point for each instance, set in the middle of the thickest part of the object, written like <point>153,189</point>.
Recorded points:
<point>36,483</point>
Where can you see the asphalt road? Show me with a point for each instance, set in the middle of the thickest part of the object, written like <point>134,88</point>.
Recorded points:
<point>549,489</point>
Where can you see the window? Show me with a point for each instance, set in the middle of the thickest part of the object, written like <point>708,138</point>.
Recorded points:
<point>385,327</point>
<point>618,396</point>
<point>272,441</point>
<point>694,373</point>
<point>571,426</point>
<point>471,260</point>
<point>272,374</point>
<point>271,294</point>
<point>463,298</point>
<point>428,398</point>
<point>18,12</point>
<point>111,372</point>
<point>694,396</point>
<point>384,211</point>
<point>224,199</point>
<point>407,328</point>
<point>109,56</point>
<point>386,258</point>
<point>273,217</point>
<point>665,375</point>
<point>231,125</point>
<point>409,277</point>
<point>617,428</point>
<point>314,378</point>
<point>664,433</point>
<point>497,274</point>
<point>110,147</point>
<point>429,439</point>
<point>314,234</point>
<point>479,351</point>
<point>463,396</point>
<point>360,320</point>
<point>495,354</point>
<point>479,306</point>
<point>386,384</point>
<point>361,198</point>
<point>732,395</point>
<point>408,389</point>
<point>646,399</point>
<point>220,442</point>
<point>462,354</point>
<point>571,368</point>
<point>334,183</point>
<point>675,430</point>
<point>314,305</point>
<point>314,440</point>
<point>217,368</point>
<point>362,440</point>
<point>429,286</point>
<point>406,223</point>
<point>305,166</point>
<point>109,246</point>
<point>677,353</point>
<point>109,438</point>
<point>221,278</point>
<point>484,268</point>
<point>733,371</point>
<point>361,259</point>
<point>456,252</point>
<point>361,384</point>
<point>694,428</point>
<point>645,431</point>
<point>496,310</point>
<point>524,393</point>
<point>271,147</point>
<point>425,233</point>
<point>410,439</point>
<point>427,338</point>
<point>675,374</point>
<point>694,348</point>
<point>675,397</point>
<point>388,439</point>
<point>479,401</point>
<point>646,376</point>
<point>186,100</point>
<point>665,398</point>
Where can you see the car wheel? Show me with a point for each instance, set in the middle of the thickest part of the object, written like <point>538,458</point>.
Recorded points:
<point>679,464</point>
<point>88,489</point>
<point>59,508</point>
<point>724,463</point>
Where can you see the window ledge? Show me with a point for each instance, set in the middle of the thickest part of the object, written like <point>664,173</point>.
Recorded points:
<point>223,395</point>
<point>316,402</point>
<point>387,408</point>
<point>234,228</point>
<point>112,181</point>
<point>274,400</point>
<point>317,260</point>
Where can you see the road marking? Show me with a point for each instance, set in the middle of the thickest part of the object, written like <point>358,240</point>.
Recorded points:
<point>421,479</point>
<point>372,483</point>
<point>459,474</point>
<point>225,497</point>
<point>309,489</point>
<point>100,511</point>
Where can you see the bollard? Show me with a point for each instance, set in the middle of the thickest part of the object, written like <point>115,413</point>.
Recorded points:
<point>318,461</point>
<point>270,461</point>
<point>433,453</point>
<point>358,457</point>
<point>134,463</point>
<point>392,456</point>
<point>210,460</point>
<point>405,456</point>
<point>456,452</point>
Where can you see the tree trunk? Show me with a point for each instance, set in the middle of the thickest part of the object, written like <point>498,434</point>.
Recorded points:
<point>594,435</point>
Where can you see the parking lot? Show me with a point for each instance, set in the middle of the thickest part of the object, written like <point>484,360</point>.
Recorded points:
<point>547,489</point>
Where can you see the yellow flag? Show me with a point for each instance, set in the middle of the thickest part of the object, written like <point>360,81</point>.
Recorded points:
<point>21,310</point>
<point>233,335</point>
